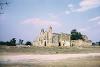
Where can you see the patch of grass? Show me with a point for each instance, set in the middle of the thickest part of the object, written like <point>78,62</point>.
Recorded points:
<point>48,50</point>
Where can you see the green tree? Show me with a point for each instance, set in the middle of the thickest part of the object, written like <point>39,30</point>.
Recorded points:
<point>99,43</point>
<point>75,35</point>
<point>28,43</point>
<point>2,43</point>
<point>12,42</point>
<point>8,43</point>
<point>20,41</point>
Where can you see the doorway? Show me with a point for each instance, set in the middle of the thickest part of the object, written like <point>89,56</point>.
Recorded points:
<point>59,44</point>
<point>45,43</point>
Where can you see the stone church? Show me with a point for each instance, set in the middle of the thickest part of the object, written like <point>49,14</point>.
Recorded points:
<point>48,38</point>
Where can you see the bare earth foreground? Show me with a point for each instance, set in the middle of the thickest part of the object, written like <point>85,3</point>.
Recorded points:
<point>54,60</point>
<point>49,57</point>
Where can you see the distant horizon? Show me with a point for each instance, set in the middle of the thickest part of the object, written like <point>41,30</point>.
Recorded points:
<point>45,30</point>
<point>25,19</point>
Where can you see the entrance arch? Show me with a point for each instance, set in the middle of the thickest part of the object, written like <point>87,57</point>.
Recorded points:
<point>59,44</point>
<point>45,43</point>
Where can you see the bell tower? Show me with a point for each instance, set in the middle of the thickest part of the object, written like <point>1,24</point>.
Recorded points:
<point>50,35</point>
<point>50,29</point>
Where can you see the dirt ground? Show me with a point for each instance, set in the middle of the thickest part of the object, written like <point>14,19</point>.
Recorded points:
<point>42,58</point>
<point>49,57</point>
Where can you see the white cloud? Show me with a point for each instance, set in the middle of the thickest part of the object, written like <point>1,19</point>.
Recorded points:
<point>70,9</point>
<point>84,5</point>
<point>38,21</point>
<point>95,20</point>
<point>98,22</point>
<point>70,5</point>
<point>88,4</point>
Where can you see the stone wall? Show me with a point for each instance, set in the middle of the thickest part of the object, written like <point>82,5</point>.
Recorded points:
<point>81,43</point>
<point>47,38</point>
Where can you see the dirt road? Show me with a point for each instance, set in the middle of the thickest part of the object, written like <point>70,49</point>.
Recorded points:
<point>32,58</point>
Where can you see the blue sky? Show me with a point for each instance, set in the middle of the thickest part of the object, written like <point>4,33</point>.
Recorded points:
<point>23,19</point>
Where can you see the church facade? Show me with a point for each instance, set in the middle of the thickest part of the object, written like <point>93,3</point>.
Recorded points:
<point>48,38</point>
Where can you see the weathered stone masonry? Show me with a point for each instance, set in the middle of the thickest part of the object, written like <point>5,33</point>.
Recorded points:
<point>48,38</point>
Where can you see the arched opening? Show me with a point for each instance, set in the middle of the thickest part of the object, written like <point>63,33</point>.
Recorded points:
<point>45,43</point>
<point>63,44</point>
<point>59,44</point>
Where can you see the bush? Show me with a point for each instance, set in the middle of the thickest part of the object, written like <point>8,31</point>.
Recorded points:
<point>28,43</point>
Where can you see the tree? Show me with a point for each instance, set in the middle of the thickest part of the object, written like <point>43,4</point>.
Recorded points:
<point>5,43</point>
<point>73,31</point>
<point>12,42</point>
<point>8,43</point>
<point>28,43</point>
<point>99,43</point>
<point>20,41</point>
<point>2,43</point>
<point>75,35</point>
